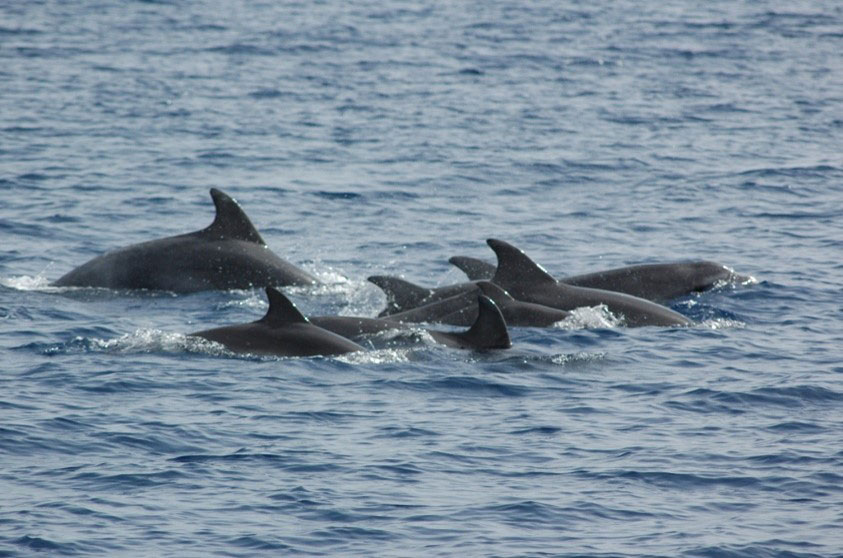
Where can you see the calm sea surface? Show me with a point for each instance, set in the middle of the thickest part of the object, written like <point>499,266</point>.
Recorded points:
<point>383,137</point>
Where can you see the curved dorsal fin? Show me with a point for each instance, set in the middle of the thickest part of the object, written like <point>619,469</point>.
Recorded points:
<point>489,329</point>
<point>495,292</point>
<point>400,294</point>
<point>281,310</point>
<point>231,223</point>
<point>515,268</point>
<point>474,268</point>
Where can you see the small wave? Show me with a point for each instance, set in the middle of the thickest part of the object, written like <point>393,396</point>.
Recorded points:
<point>152,340</point>
<point>721,323</point>
<point>574,358</point>
<point>589,317</point>
<point>28,283</point>
<point>141,341</point>
<point>253,300</point>
<point>379,356</point>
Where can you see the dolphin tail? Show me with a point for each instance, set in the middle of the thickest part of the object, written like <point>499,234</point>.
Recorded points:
<point>400,294</point>
<point>488,331</point>
<point>476,269</point>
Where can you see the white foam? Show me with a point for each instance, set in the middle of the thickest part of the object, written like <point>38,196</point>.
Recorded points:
<point>577,357</point>
<point>155,340</point>
<point>721,323</point>
<point>589,317</point>
<point>28,283</point>
<point>379,356</point>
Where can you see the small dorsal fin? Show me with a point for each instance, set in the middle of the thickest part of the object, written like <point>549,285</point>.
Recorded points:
<point>515,267</point>
<point>400,294</point>
<point>495,292</point>
<point>231,222</point>
<point>476,269</point>
<point>281,310</point>
<point>489,329</point>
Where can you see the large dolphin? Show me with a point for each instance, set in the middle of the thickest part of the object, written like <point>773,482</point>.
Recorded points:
<point>526,280</point>
<point>488,327</point>
<point>283,331</point>
<point>229,254</point>
<point>657,282</point>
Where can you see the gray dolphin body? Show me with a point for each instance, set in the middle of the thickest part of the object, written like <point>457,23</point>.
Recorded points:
<point>403,295</point>
<point>229,254</point>
<point>525,280</point>
<point>488,327</point>
<point>283,331</point>
<point>657,282</point>
<point>461,311</point>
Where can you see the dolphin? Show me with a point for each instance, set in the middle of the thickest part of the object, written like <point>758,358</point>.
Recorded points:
<point>488,331</point>
<point>460,310</point>
<point>488,327</point>
<point>283,331</point>
<point>520,313</point>
<point>403,295</point>
<point>659,282</point>
<point>526,280</point>
<point>474,268</point>
<point>228,254</point>
<point>461,307</point>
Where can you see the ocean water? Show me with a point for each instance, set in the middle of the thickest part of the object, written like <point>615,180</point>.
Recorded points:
<point>369,138</point>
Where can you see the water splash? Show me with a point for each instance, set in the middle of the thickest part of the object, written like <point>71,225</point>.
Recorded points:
<point>379,356</point>
<point>590,317</point>
<point>28,283</point>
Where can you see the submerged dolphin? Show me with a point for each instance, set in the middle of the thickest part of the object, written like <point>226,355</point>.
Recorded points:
<point>526,280</point>
<point>488,327</point>
<point>657,282</point>
<point>403,295</point>
<point>283,331</point>
<point>228,254</point>
<point>461,311</point>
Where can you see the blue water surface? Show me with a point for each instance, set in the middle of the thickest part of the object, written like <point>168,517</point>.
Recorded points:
<point>369,138</point>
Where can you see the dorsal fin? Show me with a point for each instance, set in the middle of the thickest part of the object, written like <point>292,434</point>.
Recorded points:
<point>231,223</point>
<point>400,294</point>
<point>281,310</point>
<point>515,268</point>
<point>489,329</point>
<point>476,269</point>
<point>495,292</point>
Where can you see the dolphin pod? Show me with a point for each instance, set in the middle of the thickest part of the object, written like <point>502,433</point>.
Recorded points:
<point>285,331</point>
<point>228,254</point>
<point>488,327</point>
<point>231,254</point>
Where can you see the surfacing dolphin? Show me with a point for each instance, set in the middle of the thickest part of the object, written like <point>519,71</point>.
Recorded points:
<point>657,282</point>
<point>488,327</point>
<point>460,310</point>
<point>228,254</point>
<point>526,280</point>
<point>283,331</point>
<point>403,295</point>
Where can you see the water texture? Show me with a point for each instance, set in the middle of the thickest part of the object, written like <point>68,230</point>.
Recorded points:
<point>369,138</point>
